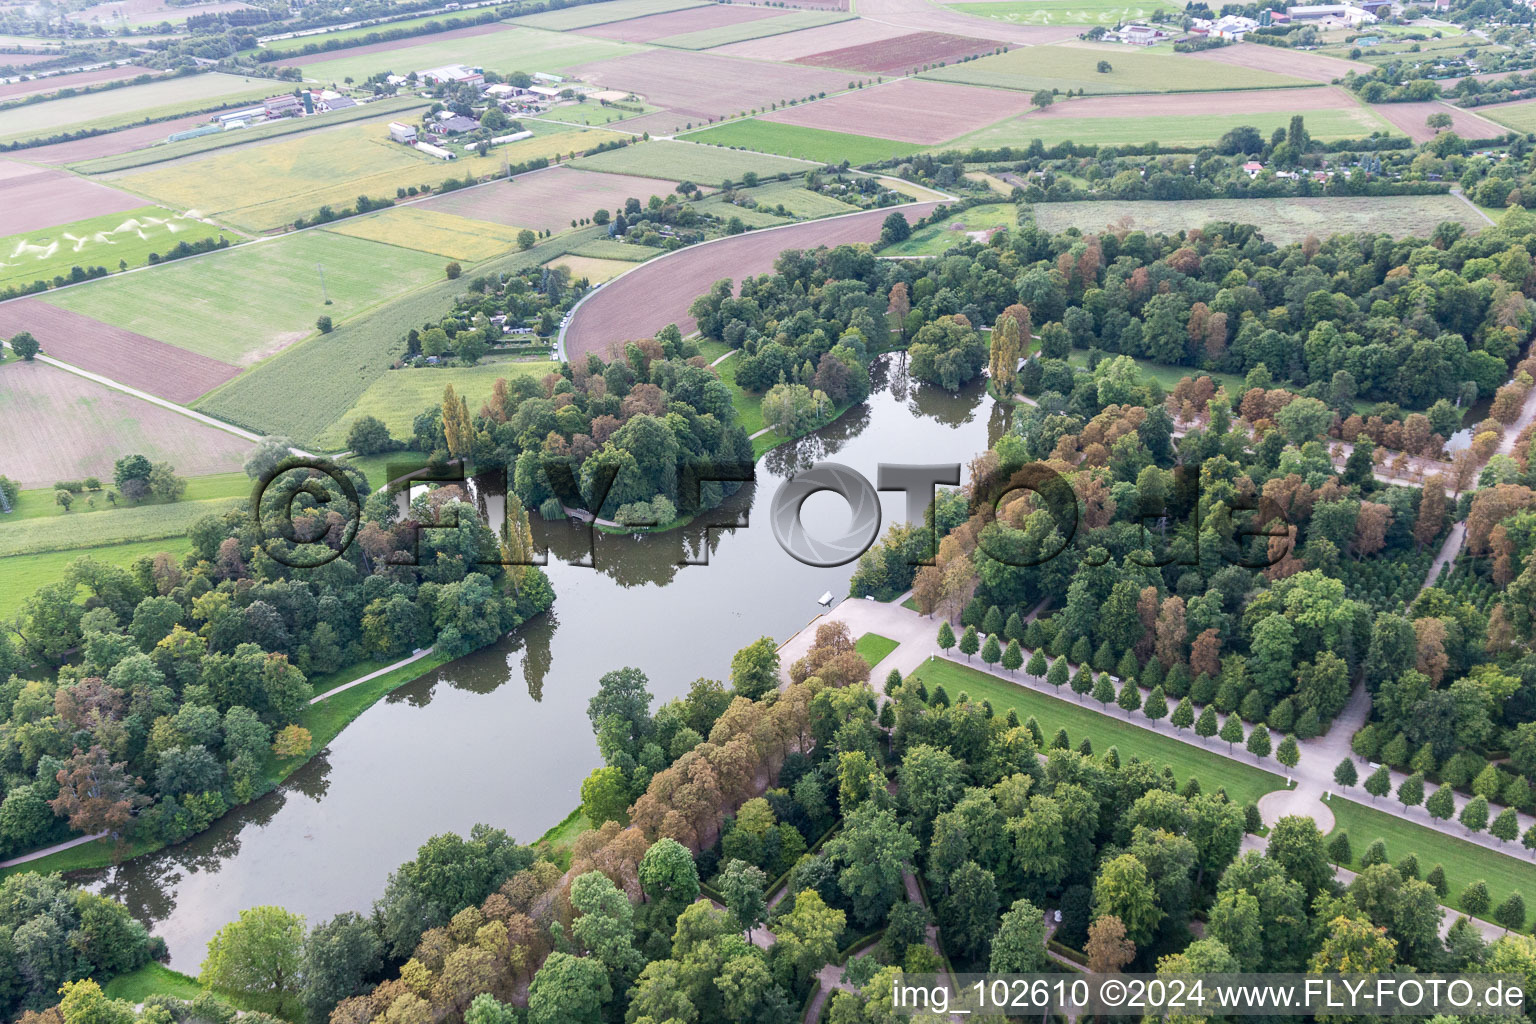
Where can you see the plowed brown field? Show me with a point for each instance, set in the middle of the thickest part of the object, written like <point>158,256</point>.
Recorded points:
<point>550,198</point>
<point>1411,118</point>
<point>35,197</point>
<point>52,83</point>
<point>1296,63</point>
<point>703,85</point>
<point>909,110</point>
<point>901,54</point>
<point>139,362</point>
<point>658,293</point>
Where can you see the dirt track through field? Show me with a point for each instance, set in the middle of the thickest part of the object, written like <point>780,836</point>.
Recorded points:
<point>703,85</point>
<point>908,110</point>
<point>548,199</point>
<point>1297,64</point>
<point>32,198</point>
<point>676,23</point>
<point>52,83</point>
<point>658,293</point>
<point>1411,118</point>
<point>144,363</point>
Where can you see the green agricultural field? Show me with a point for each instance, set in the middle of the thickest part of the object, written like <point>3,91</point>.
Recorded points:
<point>608,249</point>
<point>114,108</point>
<point>936,238</point>
<point>514,49</point>
<point>246,303</point>
<point>1064,12</point>
<point>873,647</point>
<point>593,113</point>
<point>805,143</point>
<point>309,386</point>
<point>397,396</point>
<point>1281,220</point>
<point>23,574</point>
<point>161,152</point>
<point>1072,66</point>
<point>267,187</point>
<point>296,46</point>
<point>706,165</point>
<point>1519,116</point>
<point>73,530</point>
<point>1169,130</point>
<point>586,15</point>
<point>1244,783</point>
<point>758,28</point>
<point>1464,862</point>
<point>107,241</point>
<point>442,234</point>
<point>800,202</point>
<point>758,218</point>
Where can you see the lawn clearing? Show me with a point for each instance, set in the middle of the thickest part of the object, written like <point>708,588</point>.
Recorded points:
<point>271,185</point>
<point>77,428</point>
<point>674,160</point>
<point>908,110</point>
<point>749,406</point>
<point>246,303</point>
<point>973,225</point>
<point>1243,783</point>
<point>108,241</point>
<point>1280,220</point>
<point>37,198</point>
<point>759,29</point>
<point>107,526</point>
<point>595,270</point>
<point>116,107</point>
<point>163,151</point>
<point>23,574</point>
<point>873,647</point>
<point>511,48</point>
<point>549,199</point>
<point>150,980</point>
<point>1464,862</point>
<point>820,145</point>
<point>399,395</point>
<point>1075,66</point>
<point>600,14</point>
<point>1058,12</point>
<point>442,234</point>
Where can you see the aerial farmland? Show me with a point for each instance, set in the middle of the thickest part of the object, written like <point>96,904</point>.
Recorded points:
<point>396,394</point>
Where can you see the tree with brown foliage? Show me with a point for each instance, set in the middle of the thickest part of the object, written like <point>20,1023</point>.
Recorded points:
<point>1108,949</point>
<point>97,794</point>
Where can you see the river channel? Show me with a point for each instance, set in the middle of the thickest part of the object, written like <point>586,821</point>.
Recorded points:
<point>502,736</point>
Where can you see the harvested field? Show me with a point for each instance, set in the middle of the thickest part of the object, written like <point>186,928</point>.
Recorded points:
<point>585,15</point>
<point>219,306</point>
<point>496,47</point>
<point>908,110</point>
<point>78,428</point>
<point>166,97</point>
<point>1297,63</point>
<point>343,53</point>
<point>139,362</point>
<point>901,54</point>
<point>123,140</point>
<point>32,198</point>
<point>793,45</point>
<point>780,23</point>
<point>660,292</point>
<point>53,83</point>
<point>108,241</point>
<point>1074,67</point>
<point>547,199</point>
<point>1410,119</point>
<point>674,79</point>
<point>1281,220</point>
<point>692,19</point>
<point>444,234</point>
<point>594,269</point>
<point>922,16</point>
<point>675,160</point>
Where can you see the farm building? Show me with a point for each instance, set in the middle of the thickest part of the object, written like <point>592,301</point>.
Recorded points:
<point>452,74</point>
<point>1353,16</point>
<point>241,115</point>
<point>548,79</point>
<point>282,106</point>
<point>453,124</point>
<point>546,92</point>
<point>402,132</point>
<point>514,137</point>
<point>437,151</point>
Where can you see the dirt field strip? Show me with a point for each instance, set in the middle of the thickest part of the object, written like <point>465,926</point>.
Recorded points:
<point>644,300</point>
<point>675,79</point>
<point>909,110</point>
<point>32,198</point>
<point>1316,66</point>
<point>112,143</point>
<point>676,23</point>
<point>548,198</point>
<point>1411,118</point>
<point>139,362</point>
<point>901,54</point>
<point>53,83</point>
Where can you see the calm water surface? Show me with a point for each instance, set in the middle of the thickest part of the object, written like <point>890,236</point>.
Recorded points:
<point>502,736</point>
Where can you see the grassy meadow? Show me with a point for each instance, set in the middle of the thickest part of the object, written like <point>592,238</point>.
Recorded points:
<point>1068,66</point>
<point>805,143</point>
<point>675,159</point>
<point>934,239</point>
<point>398,395</point>
<point>25,573</point>
<point>106,527</point>
<point>442,234</point>
<point>106,241</point>
<point>248,302</point>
